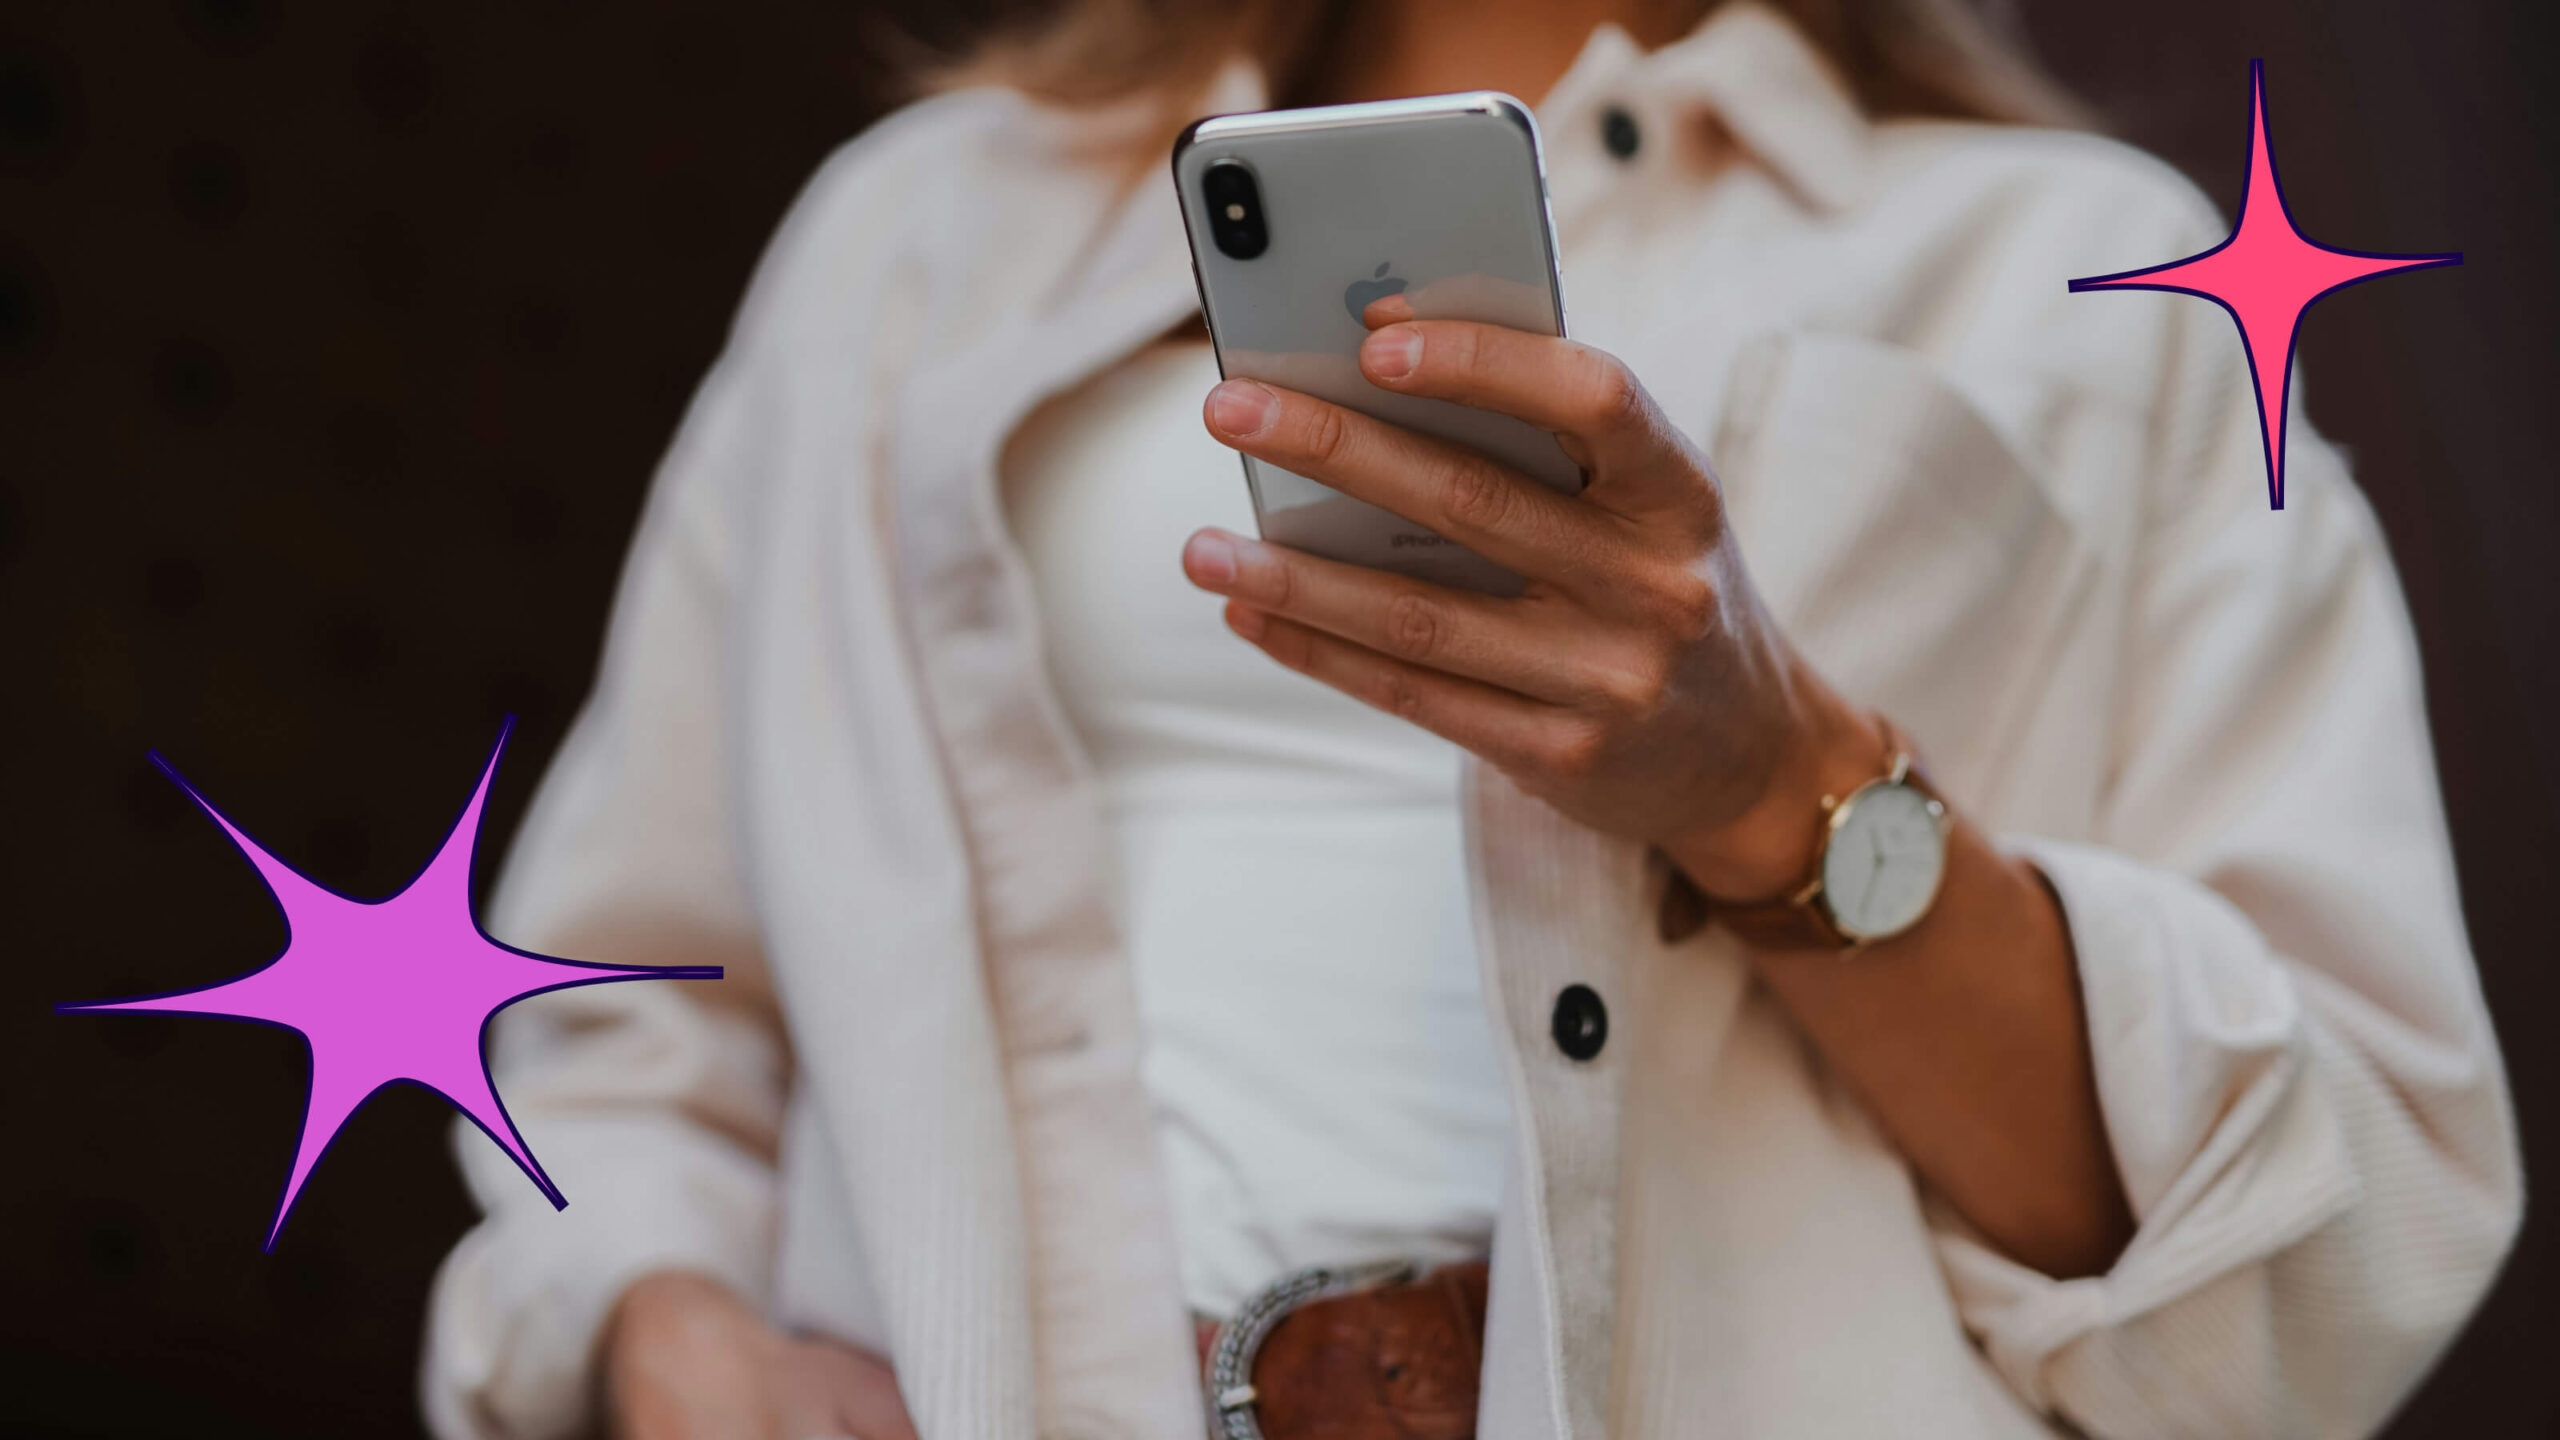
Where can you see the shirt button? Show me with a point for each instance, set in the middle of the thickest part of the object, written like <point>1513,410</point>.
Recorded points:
<point>1618,132</point>
<point>1581,1022</point>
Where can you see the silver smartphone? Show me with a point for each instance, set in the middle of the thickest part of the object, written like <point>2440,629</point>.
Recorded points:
<point>1299,219</point>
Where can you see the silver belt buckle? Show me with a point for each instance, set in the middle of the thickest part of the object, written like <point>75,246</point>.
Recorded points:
<point>1230,1381</point>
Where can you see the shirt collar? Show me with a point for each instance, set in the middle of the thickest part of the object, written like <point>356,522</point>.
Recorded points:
<point>1746,67</point>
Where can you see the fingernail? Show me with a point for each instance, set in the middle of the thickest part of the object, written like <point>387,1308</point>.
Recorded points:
<point>1240,407</point>
<point>1386,310</point>
<point>1245,621</point>
<point>1211,560</point>
<point>1392,353</point>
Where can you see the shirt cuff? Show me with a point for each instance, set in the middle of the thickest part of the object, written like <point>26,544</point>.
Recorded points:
<point>2228,1148</point>
<point>520,1305</point>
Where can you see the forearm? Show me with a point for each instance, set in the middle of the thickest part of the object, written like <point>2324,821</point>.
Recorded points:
<point>1964,1035</point>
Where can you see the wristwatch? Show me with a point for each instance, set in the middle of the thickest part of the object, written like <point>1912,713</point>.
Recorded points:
<point>1875,872</point>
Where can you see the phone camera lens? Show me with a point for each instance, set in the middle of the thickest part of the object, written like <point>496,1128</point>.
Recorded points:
<point>1235,210</point>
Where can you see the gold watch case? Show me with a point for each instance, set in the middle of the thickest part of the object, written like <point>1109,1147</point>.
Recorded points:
<point>1837,811</point>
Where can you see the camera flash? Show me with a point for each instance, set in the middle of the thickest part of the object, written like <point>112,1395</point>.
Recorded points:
<point>1234,211</point>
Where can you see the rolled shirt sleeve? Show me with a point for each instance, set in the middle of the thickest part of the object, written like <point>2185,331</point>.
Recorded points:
<point>653,1105</point>
<point>2300,1083</point>
<point>521,1303</point>
<point>657,1106</point>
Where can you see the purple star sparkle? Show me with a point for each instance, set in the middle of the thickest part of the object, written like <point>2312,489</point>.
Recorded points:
<point>2267,274</point>
<point>389,991</point>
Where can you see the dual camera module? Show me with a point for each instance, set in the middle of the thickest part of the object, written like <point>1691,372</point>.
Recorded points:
<point>1235,210</point>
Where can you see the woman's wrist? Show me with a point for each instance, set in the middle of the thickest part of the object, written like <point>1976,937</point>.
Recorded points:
<point>1766,852</point>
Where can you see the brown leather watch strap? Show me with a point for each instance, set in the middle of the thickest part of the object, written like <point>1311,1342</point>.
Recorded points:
<point>1788,924</point>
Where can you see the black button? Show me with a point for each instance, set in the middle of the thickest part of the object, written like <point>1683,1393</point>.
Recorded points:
<point>1618,132</point>
<point>1581,1022</point>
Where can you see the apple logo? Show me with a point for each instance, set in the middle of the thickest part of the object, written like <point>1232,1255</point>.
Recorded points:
<point>1377,287</point>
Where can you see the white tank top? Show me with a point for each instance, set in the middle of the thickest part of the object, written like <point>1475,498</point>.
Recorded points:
<point>1288,864</point>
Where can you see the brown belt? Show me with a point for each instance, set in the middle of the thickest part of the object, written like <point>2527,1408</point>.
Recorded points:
<point>1394,1361</point>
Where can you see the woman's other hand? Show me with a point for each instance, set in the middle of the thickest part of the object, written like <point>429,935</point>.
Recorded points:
<point>1637,684</point>
<point>686,1359</point>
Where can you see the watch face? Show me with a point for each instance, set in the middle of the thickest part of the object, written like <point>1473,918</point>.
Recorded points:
<point>1881,869</point>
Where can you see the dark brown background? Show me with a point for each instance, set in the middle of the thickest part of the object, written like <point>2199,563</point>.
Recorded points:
<point>337,341</point>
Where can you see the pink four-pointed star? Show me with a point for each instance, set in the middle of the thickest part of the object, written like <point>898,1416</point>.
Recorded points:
<point>2266,275</point>
<point>387,991</point>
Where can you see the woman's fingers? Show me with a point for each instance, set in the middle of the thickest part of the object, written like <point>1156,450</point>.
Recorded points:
<point>1588,396</point>
<point>1554,384</point>
<point>1511,731</point>
<point>1497,642</point>
<point>1501,515</point>
<point>1386,310</point>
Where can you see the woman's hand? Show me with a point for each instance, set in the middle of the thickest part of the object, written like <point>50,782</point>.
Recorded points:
<point>685,1359</point>
<point>1637,684</point>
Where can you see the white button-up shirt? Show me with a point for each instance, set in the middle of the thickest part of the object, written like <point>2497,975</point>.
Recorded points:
<point>2027,524</point>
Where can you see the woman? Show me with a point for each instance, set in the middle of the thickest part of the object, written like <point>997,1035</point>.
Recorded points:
<point>1089,973</point>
